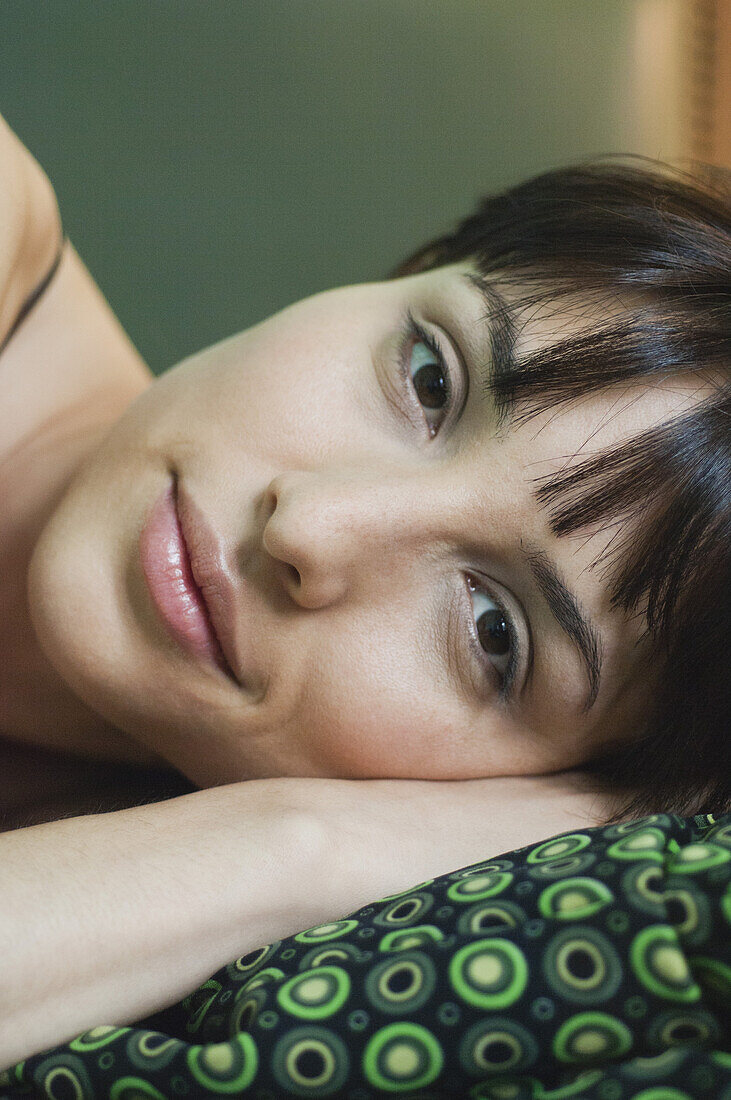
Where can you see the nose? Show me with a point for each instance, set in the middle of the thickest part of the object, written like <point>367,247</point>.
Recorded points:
<point>328,532</point>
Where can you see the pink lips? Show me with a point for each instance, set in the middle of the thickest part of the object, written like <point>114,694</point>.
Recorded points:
<point>168,571</point>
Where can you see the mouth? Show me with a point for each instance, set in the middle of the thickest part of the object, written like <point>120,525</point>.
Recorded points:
<point>185,573</point>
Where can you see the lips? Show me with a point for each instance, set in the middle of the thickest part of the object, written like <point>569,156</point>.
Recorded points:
<point>184,569</point>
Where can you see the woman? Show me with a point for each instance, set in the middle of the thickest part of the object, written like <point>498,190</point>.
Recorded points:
<point>314,554</point>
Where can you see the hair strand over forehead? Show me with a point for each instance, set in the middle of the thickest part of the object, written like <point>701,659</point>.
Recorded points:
<point>657,242</point>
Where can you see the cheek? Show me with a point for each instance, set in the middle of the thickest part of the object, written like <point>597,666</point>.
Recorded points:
<point>353,712</point>
<point>367,702</point>
<point>370,707</point>
<point>360,733</point>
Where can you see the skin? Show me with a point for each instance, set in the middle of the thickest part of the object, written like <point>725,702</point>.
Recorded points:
<point>350,525</point>
<point>350,529</point>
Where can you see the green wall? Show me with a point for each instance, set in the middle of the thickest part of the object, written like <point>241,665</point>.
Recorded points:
<point>217,159</point>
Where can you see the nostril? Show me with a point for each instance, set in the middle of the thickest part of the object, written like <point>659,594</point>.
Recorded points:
<point>294,575</point>
<point>268,504</point>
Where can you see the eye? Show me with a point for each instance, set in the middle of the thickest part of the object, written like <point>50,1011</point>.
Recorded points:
<point>427,374</point>
<point>495,633</point>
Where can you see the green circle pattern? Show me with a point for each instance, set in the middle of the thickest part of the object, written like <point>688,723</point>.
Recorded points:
<point>310,1061</point>
<point>401,984</point>
<point>134,1088</point>
<point>491,973</point>
<point>591,1037</point>
<point>559,848</point>
<point>315,994</point>
<point>574,899</point>
<point>64,1077</point>
<point>476,887</point>
<point>491,917</point>
<point>409,938</point>
<point>660,964</point>
<point>497,1045</point>
<point>593,964</point>
<point>581,966</point>
<point>402,1057</point>
<point>224,1068</point>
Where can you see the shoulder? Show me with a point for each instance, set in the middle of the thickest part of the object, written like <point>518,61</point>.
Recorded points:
<point>70,352</point>
<point>30,227</point>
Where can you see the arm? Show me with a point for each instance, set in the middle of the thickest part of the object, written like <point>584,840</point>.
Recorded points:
<point>108,918</point>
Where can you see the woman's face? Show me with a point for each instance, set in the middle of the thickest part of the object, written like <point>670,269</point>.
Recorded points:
<point>397,605</point>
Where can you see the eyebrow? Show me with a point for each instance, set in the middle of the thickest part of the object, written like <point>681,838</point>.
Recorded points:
<point>565,609</point>
<point>560,600</point>
<point>502,337</point>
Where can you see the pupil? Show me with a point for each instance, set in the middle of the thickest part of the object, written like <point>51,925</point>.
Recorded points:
<point>492,630</point>
<point>430,386</point>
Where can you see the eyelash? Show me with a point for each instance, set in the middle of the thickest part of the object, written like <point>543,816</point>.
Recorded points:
<point>413,328</point>
<point>412,331</point>
<point>507,679</point>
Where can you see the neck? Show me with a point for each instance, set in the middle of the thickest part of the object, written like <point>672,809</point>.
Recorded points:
<point>37,707</point>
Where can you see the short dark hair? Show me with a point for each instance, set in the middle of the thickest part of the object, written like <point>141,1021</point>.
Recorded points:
<point>604,228</point>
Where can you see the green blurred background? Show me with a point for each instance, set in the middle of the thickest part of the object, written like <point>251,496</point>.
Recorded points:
<point>217,160</point>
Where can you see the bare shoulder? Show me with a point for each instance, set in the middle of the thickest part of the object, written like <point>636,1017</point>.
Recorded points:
<point>70,355</point>
<point>30,226</point>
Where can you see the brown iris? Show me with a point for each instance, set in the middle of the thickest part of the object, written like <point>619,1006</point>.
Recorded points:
<point>430,386</point>
<point>492,630</point>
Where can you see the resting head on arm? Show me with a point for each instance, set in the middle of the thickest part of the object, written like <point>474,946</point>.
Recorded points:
<point>460,524</point>
<point>317,552</point>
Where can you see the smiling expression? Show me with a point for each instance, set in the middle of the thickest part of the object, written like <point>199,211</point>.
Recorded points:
<point>397,603</point>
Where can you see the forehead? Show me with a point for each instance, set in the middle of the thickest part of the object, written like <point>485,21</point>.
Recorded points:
<point>542,319</point>
<point>533,318</point>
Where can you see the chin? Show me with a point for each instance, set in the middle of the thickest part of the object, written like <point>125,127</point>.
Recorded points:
<point>83,611</point>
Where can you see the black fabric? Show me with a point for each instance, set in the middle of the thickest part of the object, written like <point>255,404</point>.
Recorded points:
<point>595,964</point>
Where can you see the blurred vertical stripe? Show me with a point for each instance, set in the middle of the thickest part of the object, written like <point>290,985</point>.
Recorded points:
<point>711,82</point>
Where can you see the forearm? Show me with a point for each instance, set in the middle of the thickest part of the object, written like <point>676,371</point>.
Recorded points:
<point>389,834</point>
<point>129,911</point>
<point>107,918</point>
